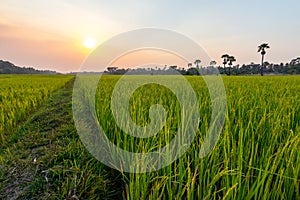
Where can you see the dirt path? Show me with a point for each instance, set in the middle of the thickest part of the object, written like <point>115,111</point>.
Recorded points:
<point>46,160</point>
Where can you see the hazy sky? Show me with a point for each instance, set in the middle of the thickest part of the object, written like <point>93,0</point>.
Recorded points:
<point>50,34</point>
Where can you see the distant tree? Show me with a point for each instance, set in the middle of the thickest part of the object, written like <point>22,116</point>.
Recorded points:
<point>237,69</point>
<point>173,67</point>
<point>197,62</point>
<point>295,61</point>
<point>190,65</point>
<point>225,60</point>
<point>112,69</point>
<point>165,68</point>
<point>9,68</point>
<point>231,59</point>
<point>262,49</point>
<point>212,63</point>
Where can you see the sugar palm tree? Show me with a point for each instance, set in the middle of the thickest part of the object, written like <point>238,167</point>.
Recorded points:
<point>230,59</point>
<point>197,62</point>
<point>225,60</point>
<point>261,49</point>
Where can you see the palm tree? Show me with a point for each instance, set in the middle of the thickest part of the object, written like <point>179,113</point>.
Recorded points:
<point>230,59</point>
<point>261,49</point>
<point>225,60</point>
<point>197,62</point>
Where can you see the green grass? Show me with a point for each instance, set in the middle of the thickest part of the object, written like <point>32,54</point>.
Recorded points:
<point>256,156</point>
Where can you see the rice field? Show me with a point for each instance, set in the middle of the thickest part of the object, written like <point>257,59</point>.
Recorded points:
<point>256,157</point>
<point>21,95</point>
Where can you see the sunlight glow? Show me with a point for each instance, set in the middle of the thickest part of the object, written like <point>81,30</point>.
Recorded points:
<point>89,43</point>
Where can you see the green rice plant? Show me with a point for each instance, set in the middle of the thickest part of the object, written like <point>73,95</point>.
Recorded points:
<point>256,156</point>
<point>21,95</point>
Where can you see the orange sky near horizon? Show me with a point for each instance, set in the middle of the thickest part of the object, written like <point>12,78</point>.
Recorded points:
<point>142,57</point>
<point>50,34</point>
<point>32,45</point>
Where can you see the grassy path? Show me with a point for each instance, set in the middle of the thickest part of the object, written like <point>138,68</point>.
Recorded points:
<point>45,159</point>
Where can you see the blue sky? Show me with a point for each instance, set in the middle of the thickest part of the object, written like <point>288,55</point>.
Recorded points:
<point>233,27</point>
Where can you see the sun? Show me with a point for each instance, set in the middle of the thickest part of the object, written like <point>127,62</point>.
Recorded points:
<point>89,43</point>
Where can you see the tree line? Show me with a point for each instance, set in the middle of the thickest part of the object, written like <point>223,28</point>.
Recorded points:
<point>228,68</point>
<point>9,68</point>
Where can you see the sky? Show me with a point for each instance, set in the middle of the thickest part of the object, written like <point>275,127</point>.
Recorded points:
<point>51,34</point>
